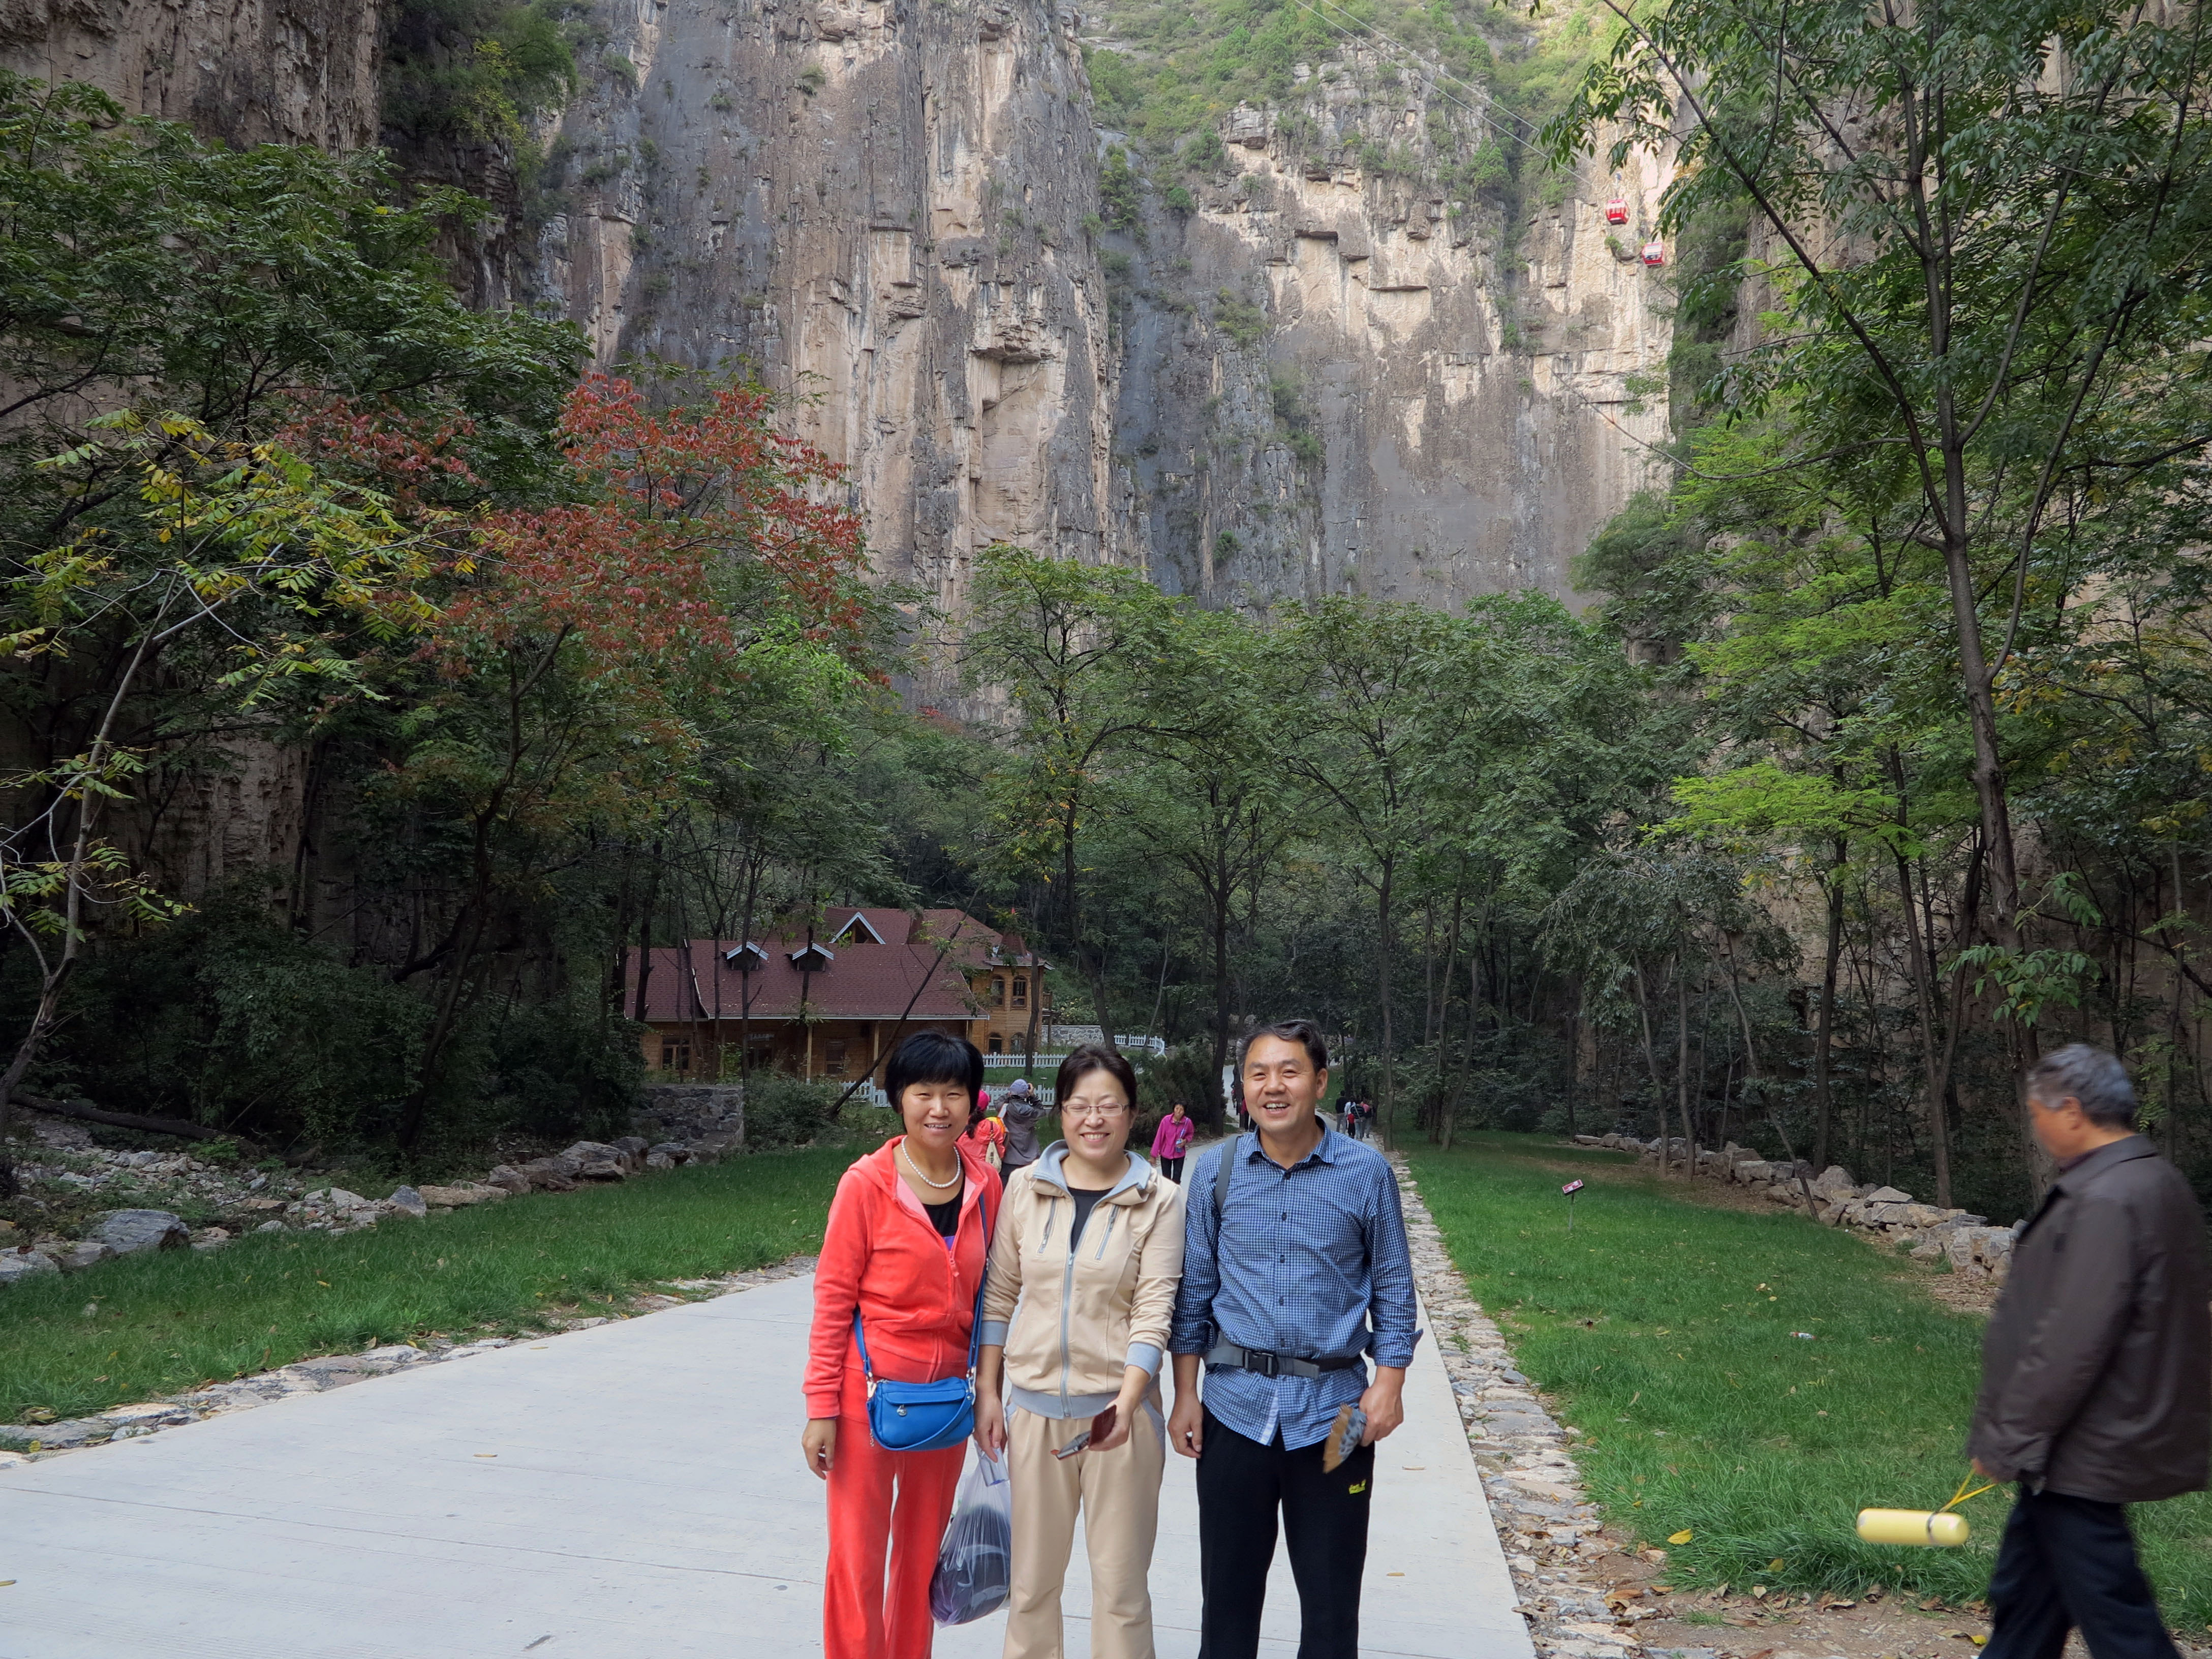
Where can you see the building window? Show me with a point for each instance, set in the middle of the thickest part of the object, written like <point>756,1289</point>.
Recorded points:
<point>833,1057</point>
<point>1021,991</point>
<point>998,1043</point>
<point>998,990</point>
<point>675,1054</point>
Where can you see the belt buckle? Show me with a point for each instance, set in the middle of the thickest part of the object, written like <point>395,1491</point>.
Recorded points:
<point>1272,1368</point>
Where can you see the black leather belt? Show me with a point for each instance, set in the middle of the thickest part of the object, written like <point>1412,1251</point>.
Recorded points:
<point>1273,1365</point>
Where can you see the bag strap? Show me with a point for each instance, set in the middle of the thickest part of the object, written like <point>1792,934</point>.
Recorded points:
<point>1222,1174</point>
<point>975,1329</point>
<point>982,1280</point>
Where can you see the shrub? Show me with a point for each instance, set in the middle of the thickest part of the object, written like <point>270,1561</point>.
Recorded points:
<point>783,1110</point>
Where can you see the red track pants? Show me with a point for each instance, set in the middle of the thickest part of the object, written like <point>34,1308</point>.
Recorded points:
<point>880,1499</point>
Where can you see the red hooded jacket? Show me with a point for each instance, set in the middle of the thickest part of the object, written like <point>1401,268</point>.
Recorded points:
<point>882,1254</point>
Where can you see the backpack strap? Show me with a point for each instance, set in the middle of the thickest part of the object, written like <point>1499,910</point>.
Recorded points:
<point>1223,1172</point>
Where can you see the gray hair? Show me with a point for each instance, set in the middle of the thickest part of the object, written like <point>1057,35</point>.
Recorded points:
<point>2091,1076</point>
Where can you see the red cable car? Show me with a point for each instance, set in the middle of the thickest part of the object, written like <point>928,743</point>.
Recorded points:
<point>1616,212</point>
<point>1655,253</point>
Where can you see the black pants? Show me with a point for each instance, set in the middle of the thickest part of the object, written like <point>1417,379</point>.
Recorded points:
<point>1172,1168</point>
<point>2066,1563</point>
<point>1241,1486</point>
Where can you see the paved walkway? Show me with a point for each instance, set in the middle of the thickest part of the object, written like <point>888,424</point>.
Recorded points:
<point>630,1492</point>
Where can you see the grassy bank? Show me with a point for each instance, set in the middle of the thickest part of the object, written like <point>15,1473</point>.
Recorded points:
<point>1664,1328</point>
<point>149,1325</point>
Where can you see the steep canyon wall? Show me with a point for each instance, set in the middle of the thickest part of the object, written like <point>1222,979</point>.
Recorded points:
<point>878,205</point>
<point>1316,377</point>
<point>1336,377</point>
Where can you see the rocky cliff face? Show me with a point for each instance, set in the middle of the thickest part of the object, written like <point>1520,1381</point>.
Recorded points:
<point>879,204</point>
<point>1320,372</point>
<point>251,72</point>
<point>1338,378</point>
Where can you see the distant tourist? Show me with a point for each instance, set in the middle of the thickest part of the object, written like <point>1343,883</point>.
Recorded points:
<point>991,1136</point>
<point>1172,1140</point>
<point>1019,1112</point>
<point>902,1263</point>
<point>1285,1270</point>
<point>1082,1289</point>
<point>2094,1372</point>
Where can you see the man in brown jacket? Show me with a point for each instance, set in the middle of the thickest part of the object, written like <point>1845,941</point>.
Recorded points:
<point>2096,1372</point>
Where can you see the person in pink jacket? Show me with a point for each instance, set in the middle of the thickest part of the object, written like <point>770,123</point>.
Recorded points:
<point>1170,1139</point>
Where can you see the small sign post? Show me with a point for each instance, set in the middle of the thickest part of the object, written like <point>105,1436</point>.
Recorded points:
<point>1570,1189</point>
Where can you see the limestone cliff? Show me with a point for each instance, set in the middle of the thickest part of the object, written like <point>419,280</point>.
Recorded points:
<point>879,205</point>
<point>1324,370</point>
<point>1338,378</point>
<point>251,72</point>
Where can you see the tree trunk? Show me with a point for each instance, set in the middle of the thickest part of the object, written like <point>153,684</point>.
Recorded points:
<point>1935,1062</point>
<point>1823,1100</point>
<point>1383,980</point>
<point>1682,1069</point>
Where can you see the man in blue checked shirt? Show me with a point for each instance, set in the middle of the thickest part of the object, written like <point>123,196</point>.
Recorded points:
<point>1286,1286</point>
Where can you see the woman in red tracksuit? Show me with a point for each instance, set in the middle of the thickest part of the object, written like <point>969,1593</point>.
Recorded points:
<point>908,1235</point>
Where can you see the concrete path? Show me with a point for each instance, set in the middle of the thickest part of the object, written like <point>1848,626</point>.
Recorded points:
<point>630,1492</point>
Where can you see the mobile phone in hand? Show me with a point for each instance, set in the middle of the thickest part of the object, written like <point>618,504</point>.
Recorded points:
<point>1101,1427</point>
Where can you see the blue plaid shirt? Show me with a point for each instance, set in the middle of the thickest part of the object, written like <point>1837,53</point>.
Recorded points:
<point>1296,1264</point>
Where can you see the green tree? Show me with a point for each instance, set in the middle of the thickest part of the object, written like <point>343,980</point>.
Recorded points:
<point>1067,646</point>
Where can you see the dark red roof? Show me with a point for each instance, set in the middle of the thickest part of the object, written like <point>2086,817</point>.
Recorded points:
<point>864,979</point>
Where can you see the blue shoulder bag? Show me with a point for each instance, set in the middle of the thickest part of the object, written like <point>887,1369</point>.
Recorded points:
<point>926,1416</point>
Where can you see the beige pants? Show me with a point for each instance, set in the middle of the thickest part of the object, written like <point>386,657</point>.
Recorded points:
<point>1119,1494</point>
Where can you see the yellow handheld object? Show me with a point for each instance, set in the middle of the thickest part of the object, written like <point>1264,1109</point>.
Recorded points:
<point>1924,1526</point>
<point>1937,1528</point>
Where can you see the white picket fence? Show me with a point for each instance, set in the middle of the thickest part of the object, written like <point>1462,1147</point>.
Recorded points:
<point>869,1094</point>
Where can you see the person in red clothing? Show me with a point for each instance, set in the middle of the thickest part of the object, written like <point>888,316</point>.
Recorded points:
<point>907,1238</point>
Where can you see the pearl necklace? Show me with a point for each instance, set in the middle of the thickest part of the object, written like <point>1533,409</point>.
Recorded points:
<point>925,1180</point>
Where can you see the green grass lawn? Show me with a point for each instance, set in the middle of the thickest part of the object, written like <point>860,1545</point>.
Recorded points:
<point>142,1326</point>
<point>1663,1328</point>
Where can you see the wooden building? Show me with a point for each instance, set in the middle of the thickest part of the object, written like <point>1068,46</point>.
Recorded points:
<point>829,1003</point>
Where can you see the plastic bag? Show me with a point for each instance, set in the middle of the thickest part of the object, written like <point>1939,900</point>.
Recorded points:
<point>974,1564</point>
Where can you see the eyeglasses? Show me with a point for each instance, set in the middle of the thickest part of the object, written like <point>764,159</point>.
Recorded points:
<point>1080,1110</point>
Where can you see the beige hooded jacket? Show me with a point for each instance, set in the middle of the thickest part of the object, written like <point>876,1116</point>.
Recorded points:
<point>1071,1321</point>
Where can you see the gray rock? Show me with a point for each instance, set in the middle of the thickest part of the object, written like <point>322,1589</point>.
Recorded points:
<point>658,1161</point>
<point>551,1175</point>
<point>597,1161</point>
<point>408,1201</point>
<point>634,1149</point>
<point>1888,1195</point>
<point>19,1264</point>
<point>332,1368</point>
<point>1834,1182</point>
<point>127,1231</point>
<point>270,1227</point>
<point>507,1177</point>
<point>674,1151</point>
<point>154,1413</point>
<point>81,1255</point>
<point>54,1437</point>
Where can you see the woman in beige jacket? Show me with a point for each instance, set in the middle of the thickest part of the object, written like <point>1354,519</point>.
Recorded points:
<point>1089,1240</point>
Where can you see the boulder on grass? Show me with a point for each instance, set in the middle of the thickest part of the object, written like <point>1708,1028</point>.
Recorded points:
<point>20,1263</point>
<point>461,1196</point>
<point>597,1161</point>
<point>551,1175</point>
<point>127,1231</point>
<point>508,1179</point>
<point>408,1201</point>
